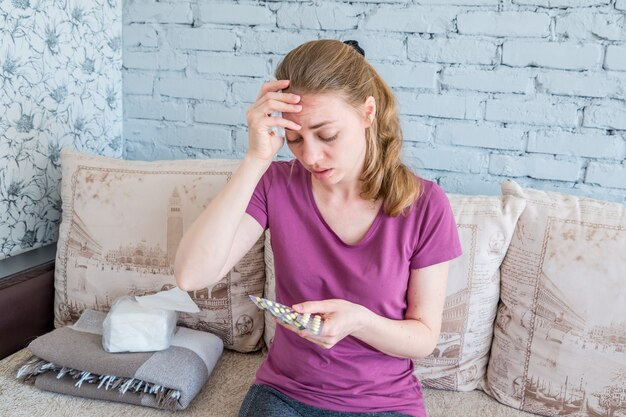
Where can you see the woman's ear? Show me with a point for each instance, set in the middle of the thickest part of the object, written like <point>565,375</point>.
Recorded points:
<point>369,110</point>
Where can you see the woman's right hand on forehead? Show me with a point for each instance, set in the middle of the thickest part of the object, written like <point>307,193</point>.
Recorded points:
<point>263,143</point>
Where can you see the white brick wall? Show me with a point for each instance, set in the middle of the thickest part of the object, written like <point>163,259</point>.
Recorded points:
<point>448,106</point>
<point>501,80</point>
<point>453,51</point>
<point>144,11</point>
<point>564,55</point>
<point>235,14</point>
<point>226,64</point>
<point>409,75</point>
<point>591,145</point>
<point>541,110</point>
<point>535,166</point>
<point>464,134</point>
<point>615,57</point>
<point>505,24</point>
<point>202,38</point>
<point>192,88</point>
<point>562,3</point>
<point>582,84</point>
<point>412,19</point>
<point>608,115</point>
<point>584,25</point>
<point>324,16</point>
<point>533,90</point>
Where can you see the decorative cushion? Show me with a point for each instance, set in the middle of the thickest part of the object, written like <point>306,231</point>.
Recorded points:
<point>485,225</point>
<point>559,344</point>
<point>121,225</point>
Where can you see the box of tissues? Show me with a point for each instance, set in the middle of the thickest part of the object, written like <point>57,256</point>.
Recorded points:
<point>144,324</point>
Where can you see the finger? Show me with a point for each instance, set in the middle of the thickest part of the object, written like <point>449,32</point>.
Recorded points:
<point>265,108</point>
<point>276,121</point>
<point>280,96</point>
<point>277,105</point>
<point>272,86</point>
<point>324,306</point>
<point>264,121</point>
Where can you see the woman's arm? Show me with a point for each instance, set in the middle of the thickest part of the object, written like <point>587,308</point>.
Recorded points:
<point>223,232</point>
<point>414,337</point>
<point>205,248</point>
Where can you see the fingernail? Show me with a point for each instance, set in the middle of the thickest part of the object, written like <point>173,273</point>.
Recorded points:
<point>298,307</point>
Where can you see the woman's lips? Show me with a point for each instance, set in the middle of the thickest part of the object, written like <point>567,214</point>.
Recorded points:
<point>321,174</point>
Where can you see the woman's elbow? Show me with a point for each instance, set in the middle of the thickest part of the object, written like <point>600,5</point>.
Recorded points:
<point>430,348</point>
<point>183,279</point>
<point>183,283</point>
<point>185,273</point>
<point>427,346</point>
<point>191,277</point>
<point>184,276</point>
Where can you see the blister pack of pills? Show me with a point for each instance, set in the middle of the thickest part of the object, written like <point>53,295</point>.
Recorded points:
<point>301,321</point>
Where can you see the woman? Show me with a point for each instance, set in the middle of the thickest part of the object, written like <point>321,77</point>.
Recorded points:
<point>357,238</point>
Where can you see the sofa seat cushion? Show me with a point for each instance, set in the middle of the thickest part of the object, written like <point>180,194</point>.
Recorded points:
<point>220,397</point>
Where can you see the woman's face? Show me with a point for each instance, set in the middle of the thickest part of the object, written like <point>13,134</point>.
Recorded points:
<point>331,144</point>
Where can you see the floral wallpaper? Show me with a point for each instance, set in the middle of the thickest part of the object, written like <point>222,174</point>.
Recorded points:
<point>60,86</point>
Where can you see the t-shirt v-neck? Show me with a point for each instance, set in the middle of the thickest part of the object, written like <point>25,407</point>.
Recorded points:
<point>364,239</point>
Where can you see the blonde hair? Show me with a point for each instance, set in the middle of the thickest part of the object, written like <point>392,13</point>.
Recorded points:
<point>331,66</point>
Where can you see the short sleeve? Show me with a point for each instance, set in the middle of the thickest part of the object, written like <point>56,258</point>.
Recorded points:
<point>257,207</point>
<point>438,239</point>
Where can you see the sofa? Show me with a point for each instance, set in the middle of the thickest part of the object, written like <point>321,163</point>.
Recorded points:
<point>220,397</point>
<point>534,321</point>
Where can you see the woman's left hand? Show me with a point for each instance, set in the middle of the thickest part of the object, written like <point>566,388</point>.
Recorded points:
<point>341,318</point>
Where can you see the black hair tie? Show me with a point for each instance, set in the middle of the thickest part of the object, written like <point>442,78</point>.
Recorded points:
<point>356,46</point>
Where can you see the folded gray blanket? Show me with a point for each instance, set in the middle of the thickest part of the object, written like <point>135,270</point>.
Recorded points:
<point>73,362</point>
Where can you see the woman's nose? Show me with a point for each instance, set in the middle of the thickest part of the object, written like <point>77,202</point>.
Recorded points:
<point>311,152</point>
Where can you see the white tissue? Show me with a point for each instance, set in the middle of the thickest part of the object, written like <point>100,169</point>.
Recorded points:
<point>90,321</point>
<point>174,299</point>
<point>144,324</point>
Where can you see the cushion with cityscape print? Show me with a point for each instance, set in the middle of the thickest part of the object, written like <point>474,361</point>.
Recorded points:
<point>485,225</point>
<point>121,225</point>
<point>559,344</point>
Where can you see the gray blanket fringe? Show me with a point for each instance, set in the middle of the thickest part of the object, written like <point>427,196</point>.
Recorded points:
<point>166,398</point>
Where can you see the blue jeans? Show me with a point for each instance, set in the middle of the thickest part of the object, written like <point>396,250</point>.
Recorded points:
<point>264,401</point>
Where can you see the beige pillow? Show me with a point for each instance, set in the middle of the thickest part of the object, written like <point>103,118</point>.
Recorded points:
<point>485,226</point>
<point>121,225</point>
<point>559,343</point>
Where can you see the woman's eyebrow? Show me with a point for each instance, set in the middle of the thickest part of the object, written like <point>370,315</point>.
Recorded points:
<point>316,126</point>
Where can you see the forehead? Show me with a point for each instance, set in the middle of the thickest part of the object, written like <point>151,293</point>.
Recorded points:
<point>320,105</point>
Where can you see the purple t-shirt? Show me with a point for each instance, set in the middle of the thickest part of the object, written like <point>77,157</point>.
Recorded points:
<point>312,263</point>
